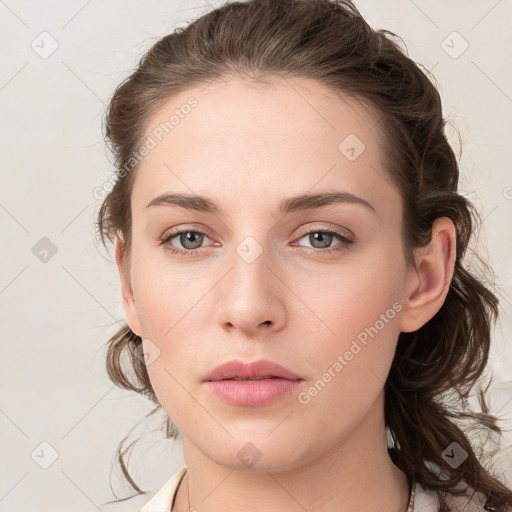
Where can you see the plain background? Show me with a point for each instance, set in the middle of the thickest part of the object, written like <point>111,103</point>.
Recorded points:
<point>56,315</point>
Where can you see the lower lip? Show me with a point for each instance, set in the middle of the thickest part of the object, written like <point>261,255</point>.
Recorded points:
<point>252,393</point>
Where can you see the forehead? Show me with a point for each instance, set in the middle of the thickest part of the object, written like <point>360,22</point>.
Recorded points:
<point>277,107</point>
<point>245,141</point>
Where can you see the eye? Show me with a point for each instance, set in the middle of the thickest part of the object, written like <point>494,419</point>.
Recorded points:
<point>321,239</point>
<point>191,241</point>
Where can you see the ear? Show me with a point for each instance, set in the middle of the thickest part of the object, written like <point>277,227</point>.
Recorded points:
<point>129,306</point>
<point>428,283</point>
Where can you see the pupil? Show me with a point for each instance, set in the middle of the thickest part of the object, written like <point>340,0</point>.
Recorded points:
<point>321,237</point>
<point>189,238</point>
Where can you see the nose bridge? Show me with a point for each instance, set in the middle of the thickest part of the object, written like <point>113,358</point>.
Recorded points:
<point>250,260</point>
<point>252,250</point>
<point>248,296</point>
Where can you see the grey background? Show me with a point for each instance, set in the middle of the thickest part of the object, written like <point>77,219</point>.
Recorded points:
<point>56,315</point>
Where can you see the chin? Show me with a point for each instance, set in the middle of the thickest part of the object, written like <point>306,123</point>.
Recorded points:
<point>259,454</point>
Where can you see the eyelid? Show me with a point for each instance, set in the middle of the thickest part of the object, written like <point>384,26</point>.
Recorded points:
<point>342,232</point>
<point>345,239</point>
<point>176,230</point>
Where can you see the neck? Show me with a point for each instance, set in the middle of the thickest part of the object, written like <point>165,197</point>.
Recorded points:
<point>356,473</point>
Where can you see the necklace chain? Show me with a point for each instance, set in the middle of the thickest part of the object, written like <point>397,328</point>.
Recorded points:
<point>410,508</point>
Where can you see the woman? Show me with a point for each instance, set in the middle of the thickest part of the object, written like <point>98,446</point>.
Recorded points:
<point>290,245</point>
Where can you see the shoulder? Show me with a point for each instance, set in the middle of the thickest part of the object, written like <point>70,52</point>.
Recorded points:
<point>153,501</point>
<point>162,499</point>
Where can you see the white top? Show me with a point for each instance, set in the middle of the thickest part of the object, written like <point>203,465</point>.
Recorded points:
<point>424,500</point>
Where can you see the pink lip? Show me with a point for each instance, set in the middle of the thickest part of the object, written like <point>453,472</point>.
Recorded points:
<point>250,392</point>
<point>254,369</point>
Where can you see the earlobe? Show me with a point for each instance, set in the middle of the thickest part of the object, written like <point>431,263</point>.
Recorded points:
<point>434,266</point>
<point>129,306</point>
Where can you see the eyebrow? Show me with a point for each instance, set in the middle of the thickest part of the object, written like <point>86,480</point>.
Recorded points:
<point>288,205</point>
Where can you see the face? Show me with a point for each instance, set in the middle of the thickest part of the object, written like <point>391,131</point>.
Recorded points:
<point>313,285</point>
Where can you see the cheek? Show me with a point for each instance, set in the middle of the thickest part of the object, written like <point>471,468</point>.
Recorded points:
<point>164,292</point>
<point>171,306</point>
<point>355,294</point>
<point>358,331</point>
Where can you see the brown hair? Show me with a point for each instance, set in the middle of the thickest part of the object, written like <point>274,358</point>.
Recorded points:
<point>435,367</point>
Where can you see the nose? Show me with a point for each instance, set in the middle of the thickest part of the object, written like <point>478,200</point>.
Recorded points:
<point>251,296</point>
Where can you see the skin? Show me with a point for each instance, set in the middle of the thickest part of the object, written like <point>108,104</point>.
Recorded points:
<point>249,146</point>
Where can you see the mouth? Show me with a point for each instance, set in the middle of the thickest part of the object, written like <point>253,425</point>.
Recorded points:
<point>254,370</point>
<point>253,380</point>
<point>251,384</point>
<point>252,393</point>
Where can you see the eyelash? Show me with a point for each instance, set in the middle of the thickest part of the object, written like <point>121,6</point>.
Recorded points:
<point>165,240</point>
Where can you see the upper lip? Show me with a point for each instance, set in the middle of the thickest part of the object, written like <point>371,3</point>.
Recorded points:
<point>254,369</point>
